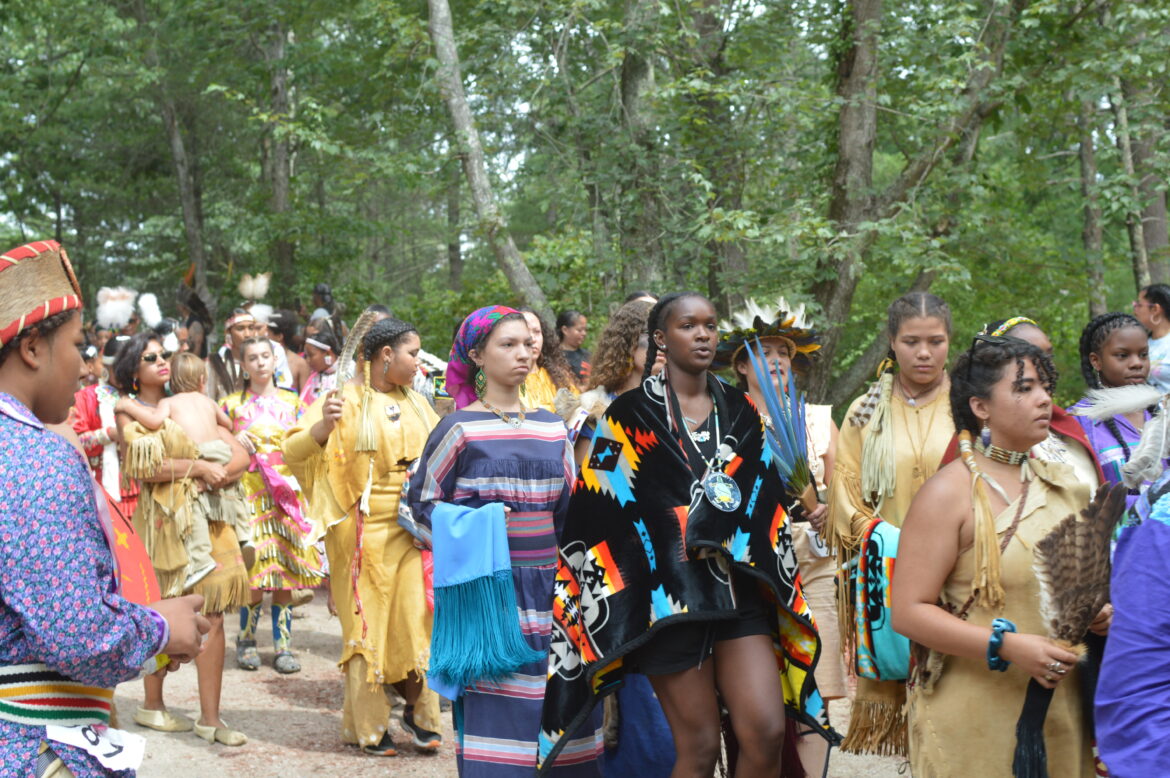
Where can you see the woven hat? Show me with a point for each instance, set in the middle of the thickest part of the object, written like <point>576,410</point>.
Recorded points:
<point>36,282</point>
<point>778,321</point>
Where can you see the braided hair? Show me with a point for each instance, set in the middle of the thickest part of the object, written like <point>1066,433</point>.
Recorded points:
<point>387,332</point>
<point>1093,339</point>
<point>982,366</point>
<point>657,320</point>
<point>913,305</point>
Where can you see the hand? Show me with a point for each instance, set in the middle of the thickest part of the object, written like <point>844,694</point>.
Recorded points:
<point>211,473</point>
<point>1104,620</point>
<point>817,516</point>
<point>247,441</point>
<point>1034,654</point>
<point>331,411</point>
<point>187,627</point>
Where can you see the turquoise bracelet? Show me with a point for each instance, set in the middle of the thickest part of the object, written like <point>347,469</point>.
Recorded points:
<point>995,643</point>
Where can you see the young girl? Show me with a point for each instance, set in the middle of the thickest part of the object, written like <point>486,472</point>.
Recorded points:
<point>892,440</point>
<point>550,371</point>
<point>198,416</point>
<point>286,559</point>
<point>513,465</point>
<point>321,351</point>
<point>1114,353</point>
<point>676,562</point>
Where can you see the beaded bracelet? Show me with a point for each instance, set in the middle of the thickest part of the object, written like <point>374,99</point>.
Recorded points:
<point>995,643</point>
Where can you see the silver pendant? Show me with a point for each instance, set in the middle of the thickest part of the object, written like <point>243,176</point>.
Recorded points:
<point>701,437</point>
<point>722,491</point>
<point>393,412</point>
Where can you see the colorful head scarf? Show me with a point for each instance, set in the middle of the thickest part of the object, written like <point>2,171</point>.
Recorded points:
<point>38,282</point>
<point>1007,325</point>
<point>461,368</point>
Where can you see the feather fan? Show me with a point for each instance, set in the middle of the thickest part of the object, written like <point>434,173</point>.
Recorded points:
<point>347,362</point>
<point>1072,566</point>
<point>1145,462</point>
<point>1106,403</point>
<point>787,436</point>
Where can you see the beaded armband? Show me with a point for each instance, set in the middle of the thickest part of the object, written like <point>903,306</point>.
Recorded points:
<point>995,643</point>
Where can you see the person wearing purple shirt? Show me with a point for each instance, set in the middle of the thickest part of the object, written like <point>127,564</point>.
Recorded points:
<point>67,637</point>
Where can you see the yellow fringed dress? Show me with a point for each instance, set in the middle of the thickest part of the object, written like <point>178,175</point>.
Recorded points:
<point>962,716</point>
<point>285,556</point>
<point>165,516</point>
<point>921,434</point>
<point>391,636</point>
<point>539,391</point>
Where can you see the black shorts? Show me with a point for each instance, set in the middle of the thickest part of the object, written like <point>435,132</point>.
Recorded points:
<point>682,646</point>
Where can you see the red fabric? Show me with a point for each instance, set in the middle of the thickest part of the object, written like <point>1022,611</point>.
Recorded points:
<point>428,560</point>
<point>139,584</point>
<point>86,418</point>
<point>1063,423</point>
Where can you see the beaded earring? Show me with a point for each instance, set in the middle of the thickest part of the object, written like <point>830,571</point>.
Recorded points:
<point>985,435</point>
<point>480,383</point>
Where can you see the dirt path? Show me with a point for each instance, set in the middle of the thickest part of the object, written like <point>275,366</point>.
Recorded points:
<point>293,722</point>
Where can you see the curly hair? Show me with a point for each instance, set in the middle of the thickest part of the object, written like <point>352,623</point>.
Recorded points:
<point>551,358</point>
<point>982,366</point>
<point>611,359</point>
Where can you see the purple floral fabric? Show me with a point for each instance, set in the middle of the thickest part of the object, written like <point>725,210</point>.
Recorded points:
<point>460,367</point>
<point>58,594</point>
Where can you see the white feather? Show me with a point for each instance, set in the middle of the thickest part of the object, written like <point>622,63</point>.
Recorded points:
<point>116,307</point>
<point>1106,403</point>
<point>1145,463</point>
<point>260,285</point>
<point>245,286</point>
<point>170,342</point>
<point>261,312</point>
<point>431,362</point>
<point>151,315</point>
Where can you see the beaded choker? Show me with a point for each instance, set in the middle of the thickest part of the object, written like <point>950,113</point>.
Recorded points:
<point>998,454</point>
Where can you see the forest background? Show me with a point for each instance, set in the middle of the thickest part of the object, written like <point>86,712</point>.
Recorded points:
<point>1010,156</point>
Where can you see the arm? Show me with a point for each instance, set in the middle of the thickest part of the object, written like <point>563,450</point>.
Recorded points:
<point>151,418</point>
<point>221,418</point>
<point>170,469</point>
<point>830,455</point>
<point>240,460</point>
<point>848,513</point>
<point>937,528</point>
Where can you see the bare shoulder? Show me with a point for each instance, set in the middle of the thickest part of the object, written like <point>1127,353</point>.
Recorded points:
<point>945,497</point>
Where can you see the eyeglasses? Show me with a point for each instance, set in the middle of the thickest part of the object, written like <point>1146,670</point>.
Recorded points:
<point>154,357</point>
<point>1141,304</point>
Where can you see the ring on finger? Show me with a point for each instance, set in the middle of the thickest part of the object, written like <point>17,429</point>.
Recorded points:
<point>1058,668</point>
<point>1049,677</point>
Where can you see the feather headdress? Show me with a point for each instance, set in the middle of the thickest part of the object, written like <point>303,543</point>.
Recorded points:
<point>1072,567</point>
<point>755,321</point>
<point>261,312</point>
<point>115,307</point>
<point>254,287</point>
<point>148,307</point>
<point>1145,461</point>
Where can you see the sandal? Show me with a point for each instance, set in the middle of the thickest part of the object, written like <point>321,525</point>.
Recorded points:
<point>286,663</point>
<point>247,657</point>
<point>385,747</point>
<point>162,720</point>
<point>223,735</point>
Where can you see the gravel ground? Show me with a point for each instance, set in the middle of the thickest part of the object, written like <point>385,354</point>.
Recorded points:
<point>293,722</point>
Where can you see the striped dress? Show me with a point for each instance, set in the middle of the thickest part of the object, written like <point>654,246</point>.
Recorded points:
<point>471,459</point>
<point>1110,452</point>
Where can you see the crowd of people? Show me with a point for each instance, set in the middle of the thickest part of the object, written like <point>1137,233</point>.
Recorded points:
<point>642,559</point>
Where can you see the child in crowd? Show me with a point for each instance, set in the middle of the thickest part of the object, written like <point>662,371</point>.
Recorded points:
<point>198,416</point>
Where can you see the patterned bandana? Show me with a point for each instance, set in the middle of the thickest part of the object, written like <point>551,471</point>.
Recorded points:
<point>460,368</point>
<point>37,282</point>
<point>1007,326</point>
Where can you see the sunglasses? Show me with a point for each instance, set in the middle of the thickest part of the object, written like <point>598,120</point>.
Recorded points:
<point>152,358</point>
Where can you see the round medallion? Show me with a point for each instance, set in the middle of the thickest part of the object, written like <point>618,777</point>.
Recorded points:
<point>722,491</point>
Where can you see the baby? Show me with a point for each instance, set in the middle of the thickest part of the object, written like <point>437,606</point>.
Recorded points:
<point>198,416</point>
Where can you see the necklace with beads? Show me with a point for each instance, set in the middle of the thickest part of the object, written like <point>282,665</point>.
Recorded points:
<point>512,421</point>
<point>997,454</point>
<point>912,399</point>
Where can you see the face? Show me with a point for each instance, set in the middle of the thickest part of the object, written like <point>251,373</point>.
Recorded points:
<point>62,365</point>
<point>507,356</point>
<point>689,335</point>
<point>572,337</point>
<point>401,360</point>
<point>1146,312</point>
<point>154,368</point>
<point>1124,358</point>
<point>537,334</point>
<point>259,330</point>
<point>776,357</point>
<point>1018,410</point>
<point>1033,335</point>
<point>131,327</point>
<point>259,362</point>
<point>319,359</point>
<point>184,336</point>
<point>921,349</point>
<point>239,332</point>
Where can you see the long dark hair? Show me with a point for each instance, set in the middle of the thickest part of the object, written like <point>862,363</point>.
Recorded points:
<point>125,371</point>
<point>551,357</point>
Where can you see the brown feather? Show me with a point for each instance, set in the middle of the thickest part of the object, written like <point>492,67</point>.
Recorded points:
<point>1072,566</point>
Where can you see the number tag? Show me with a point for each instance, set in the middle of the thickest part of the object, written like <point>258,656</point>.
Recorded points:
<point>816,544</point>
<point>114,748</point>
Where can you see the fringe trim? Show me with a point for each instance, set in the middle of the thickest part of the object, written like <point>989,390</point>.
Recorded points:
<point>221,596</point>
<point>144,457</point>
<point>877,728</point>
<point>171,584</point>
<point>878,473</point>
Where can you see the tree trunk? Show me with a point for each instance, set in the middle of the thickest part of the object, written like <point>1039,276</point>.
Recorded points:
<point>280,162</point>
<point>1133,218</point>
<point>491,221</point>
<point>454,242</point>
<point>641,231</point>
<point>1091,232</point>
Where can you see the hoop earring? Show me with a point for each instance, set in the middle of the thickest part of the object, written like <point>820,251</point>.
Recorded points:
<point>480,383</point>
<point>985,435</point>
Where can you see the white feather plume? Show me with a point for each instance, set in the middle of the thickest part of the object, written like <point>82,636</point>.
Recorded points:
<point>1145,462</point>
<point>170,342</point>
<point>1106,403</point>
<point>245,286</point>
<point>261,312</point>
<point>745,317</point>
<point>260,285</point>
<point>115,307</point>
<point>148,305</point>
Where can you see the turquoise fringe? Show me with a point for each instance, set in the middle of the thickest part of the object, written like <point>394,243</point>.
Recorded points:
<point>476,634</point>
